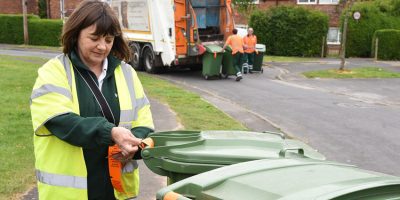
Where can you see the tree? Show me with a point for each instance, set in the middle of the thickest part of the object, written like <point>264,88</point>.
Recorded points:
<point>25,21</point>
<point>42,4</point>
<point>348,5</point>
<point>244,7</point>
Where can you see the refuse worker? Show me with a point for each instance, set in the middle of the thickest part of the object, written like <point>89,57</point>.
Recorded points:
<point>236,43</point>
<point>83,102</point>
<point>250,41</point>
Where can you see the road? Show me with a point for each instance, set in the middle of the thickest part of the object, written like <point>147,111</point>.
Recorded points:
<point>354,121</point>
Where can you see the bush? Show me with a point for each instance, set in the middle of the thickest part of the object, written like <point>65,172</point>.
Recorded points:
<point>12,30</point>
<point>41,31</point>
<point>389,44</point>
<point>290,31</point>
<point>375,15</point>
<point>45,32</point>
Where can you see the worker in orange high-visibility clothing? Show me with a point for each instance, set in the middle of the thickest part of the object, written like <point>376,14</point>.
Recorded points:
<point>250,41</point>
<point>236,43</point>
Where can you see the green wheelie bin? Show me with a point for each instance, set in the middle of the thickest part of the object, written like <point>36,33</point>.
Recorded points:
<point>227,63</point>
<point>285,179</point>
<point>212,60</point>
<point>258,58</point>
<point>181,154</point>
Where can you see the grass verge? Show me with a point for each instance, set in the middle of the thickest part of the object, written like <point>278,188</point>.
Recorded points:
<point>269,58</point>
<point>363,72</point>
<point>16,148</point>
<point>194,113</point>
<point>17,76</point>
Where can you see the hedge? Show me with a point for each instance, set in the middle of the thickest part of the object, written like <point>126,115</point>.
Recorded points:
<point>388,44</point>
<point>375,15</point>
<point>290,30</point>
<point>11,31</point>
<point>44,32</point>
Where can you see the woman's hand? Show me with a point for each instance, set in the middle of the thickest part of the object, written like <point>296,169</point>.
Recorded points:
<point>126,142</point>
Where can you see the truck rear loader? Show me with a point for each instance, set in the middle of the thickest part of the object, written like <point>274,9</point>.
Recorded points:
<point>168,33</point>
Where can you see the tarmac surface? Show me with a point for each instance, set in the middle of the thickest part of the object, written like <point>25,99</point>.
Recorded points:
<point>352,121</point>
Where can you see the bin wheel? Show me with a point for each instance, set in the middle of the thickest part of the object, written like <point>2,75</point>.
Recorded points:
<point>224,76</point>
<point>206,77</point>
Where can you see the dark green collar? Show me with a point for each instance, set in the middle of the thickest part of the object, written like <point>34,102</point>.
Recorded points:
<point>113,62</point>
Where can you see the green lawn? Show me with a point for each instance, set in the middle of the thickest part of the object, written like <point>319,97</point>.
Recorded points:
<point>17,76</point>
<point>363,72</point>
<point>194,113</point>
<point>269,58</point>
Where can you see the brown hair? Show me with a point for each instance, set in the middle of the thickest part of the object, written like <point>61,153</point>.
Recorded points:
<point>91,12</point>
<point>234,31</point>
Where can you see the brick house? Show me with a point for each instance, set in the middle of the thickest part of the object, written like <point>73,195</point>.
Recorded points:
<point>54,10</point>
<point>53,7</point>
<point>15,7</point>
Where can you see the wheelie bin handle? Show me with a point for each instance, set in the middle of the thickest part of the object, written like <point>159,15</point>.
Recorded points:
<point>282,153</point>
<point>276,133</point>
<point>174,196</point>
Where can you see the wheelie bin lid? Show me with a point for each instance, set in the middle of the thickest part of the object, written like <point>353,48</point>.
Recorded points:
<point>191,152</point>
<point>261,47</point>
<point>285,179</point>
<point>211,48</point>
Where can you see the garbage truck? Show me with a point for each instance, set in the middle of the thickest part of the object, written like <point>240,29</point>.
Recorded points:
<point>167,33</point>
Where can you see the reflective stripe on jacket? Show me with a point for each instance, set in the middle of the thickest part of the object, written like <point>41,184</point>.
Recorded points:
<point>60,167</point>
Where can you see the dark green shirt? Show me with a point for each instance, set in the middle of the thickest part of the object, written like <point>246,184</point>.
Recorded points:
<point>90,130</point>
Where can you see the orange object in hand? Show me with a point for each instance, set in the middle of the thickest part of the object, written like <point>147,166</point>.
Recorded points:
<point>115,168</point>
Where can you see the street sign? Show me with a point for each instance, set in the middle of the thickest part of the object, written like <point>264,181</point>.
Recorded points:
<point>356,15</point>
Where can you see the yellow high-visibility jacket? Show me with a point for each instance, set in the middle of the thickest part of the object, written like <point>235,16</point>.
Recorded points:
<point>60,167</point>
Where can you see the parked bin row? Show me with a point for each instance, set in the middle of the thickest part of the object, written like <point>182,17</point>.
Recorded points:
<point>249,165</point>
<point>217,63</point>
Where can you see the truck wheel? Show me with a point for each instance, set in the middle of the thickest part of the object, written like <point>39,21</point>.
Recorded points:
<point>135,60</point>
<point>149,60</point>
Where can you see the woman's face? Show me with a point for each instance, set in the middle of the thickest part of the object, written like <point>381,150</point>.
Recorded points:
<point>93,49</point>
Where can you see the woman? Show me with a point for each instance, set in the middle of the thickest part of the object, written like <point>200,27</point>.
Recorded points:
<point>83,102</point>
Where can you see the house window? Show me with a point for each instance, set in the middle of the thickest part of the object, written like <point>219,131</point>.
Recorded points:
<point>306,1</point>
<point>333,35</point>
<point>328,1</point>
<point>256,1</point>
